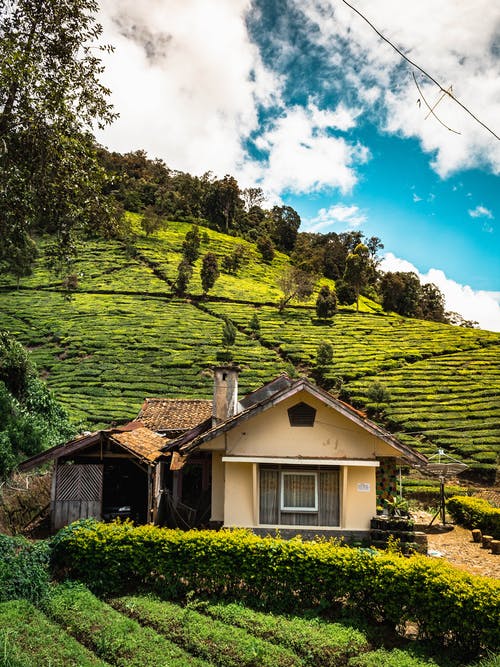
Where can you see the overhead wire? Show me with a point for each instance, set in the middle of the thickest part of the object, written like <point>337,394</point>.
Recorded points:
<point>420,69</point>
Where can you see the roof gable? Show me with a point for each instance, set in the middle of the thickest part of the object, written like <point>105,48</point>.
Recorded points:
<point>194,438</point>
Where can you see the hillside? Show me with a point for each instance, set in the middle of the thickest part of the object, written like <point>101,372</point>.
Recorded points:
<point>122,336</point>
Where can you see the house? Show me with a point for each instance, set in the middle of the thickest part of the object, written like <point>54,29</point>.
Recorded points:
<point>287,456</point>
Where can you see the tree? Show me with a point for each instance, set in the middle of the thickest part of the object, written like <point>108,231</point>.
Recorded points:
<point>184,274</point>
<point>31,418</point>
<point>324,358</point>
<point>266,248</point>
<point>50,101</point>
<point>357,268</point>
<point>150,221</point>
<point>191,245</point>
<point>228,334</point>
<point>254,324</point>
<point>285,226</point>
<point>295,284</point>
<point>346,294</point>
<point>431,304</point>
<point>223,203</point>
<point>326,303</point>
<point>400,292</point>
<point>209,271</point>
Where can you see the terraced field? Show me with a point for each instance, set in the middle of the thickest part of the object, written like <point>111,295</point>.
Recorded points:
<point>123,336</point>
<point>76,628</point>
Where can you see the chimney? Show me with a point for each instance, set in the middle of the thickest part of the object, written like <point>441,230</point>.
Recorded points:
<point>225,401</point>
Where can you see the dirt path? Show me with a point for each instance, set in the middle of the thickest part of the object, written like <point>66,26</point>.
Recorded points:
<point>456,546</point>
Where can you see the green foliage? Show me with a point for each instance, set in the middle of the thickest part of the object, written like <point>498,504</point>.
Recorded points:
<point>32,420</point>
<point>24,569</point>
<point>30,639</point>
<point>346,293</point>
<point>110,635</point>
<point>445,604</point>
<point>318,642</point>
<point>51,100</point>
<point>475,513</point>
<point>357,269</point>
<point>208,638</point>
<point>394,658</point>
<point>326,303</point>
<point>254,324</point>
<point>324,355</point>
<point>191,245</point>
<point>400,292</point>
<point>209,271</point>
<point>229,332</point>
<point>378,393</point>
<point>266,248</point>
<point>151,222</point>
<point>184,273</point>
<point>295,284</point>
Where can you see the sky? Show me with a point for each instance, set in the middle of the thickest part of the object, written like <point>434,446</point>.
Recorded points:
<point>304,99</point>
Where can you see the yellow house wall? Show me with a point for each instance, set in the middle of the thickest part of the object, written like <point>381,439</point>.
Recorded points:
<point>217,513</point>
<point>239,501</point>
<point>332,436</point>
<point>360,498</point>
<point>269,434</point>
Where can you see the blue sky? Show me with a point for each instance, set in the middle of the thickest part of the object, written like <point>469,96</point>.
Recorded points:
<point>302,98</point>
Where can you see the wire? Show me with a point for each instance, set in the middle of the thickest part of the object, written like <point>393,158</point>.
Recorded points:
<point>414,64</point>
<point>431,109</point>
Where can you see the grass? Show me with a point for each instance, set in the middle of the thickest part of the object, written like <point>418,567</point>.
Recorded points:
<point>112,636</point>
<point>221,643</point>
<point>318,642</point>
<point>29,639</point>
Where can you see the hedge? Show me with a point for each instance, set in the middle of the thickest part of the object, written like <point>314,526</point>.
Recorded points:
<point>475,513</point>
<point>446,604</point>
<point>24,571</point>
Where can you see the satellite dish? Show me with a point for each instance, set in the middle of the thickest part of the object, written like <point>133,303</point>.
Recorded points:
<point>443,468</point>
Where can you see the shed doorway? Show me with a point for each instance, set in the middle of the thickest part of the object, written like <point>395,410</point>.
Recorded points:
<point>125,491</point>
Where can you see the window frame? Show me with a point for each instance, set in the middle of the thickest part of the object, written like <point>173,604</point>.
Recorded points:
<point>296,509</point>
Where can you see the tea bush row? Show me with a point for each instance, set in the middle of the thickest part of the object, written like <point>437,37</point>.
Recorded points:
<point>318,642</point>
<point>475,513</point>
<point>29,639</point>
<point>446,605</point>
<point>110,635</point>
<point>208,638</point>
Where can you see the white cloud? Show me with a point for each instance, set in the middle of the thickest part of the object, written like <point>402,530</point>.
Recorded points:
<point>480,306</point>
<point>416,198</point>
<point>185,79</point>
<point>452,41</point>
<point>303,156</point>
<point>480,212</point>
<point>350,216</point>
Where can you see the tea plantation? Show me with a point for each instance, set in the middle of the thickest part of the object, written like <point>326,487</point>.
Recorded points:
<point>122,335</point>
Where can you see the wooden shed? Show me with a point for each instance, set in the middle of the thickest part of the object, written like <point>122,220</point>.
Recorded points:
<point>107,474</point>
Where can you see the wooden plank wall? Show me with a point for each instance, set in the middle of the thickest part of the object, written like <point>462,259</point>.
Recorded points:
<point>78,493</point>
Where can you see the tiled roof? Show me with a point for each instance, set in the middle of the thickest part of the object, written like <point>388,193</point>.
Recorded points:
<point>142,442</point>
<point>173,415</point>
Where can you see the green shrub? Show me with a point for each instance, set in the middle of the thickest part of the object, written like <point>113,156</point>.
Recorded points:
<point>24,569</point>
<point>211,639</point>
<point>110,635</point>
<point>30,639</point>
<point>319,642</point>
<point>475,513</point>
<point>447,605</point>
<point>394,658</point>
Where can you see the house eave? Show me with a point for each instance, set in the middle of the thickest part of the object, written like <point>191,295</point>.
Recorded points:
<point>297,460</point>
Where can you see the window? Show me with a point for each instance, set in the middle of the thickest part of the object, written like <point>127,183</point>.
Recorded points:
<point>299,492</point>
<point>301,414</point>
<point>299,496</point>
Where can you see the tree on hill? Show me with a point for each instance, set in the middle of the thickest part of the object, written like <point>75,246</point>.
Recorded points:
<point>266,248</point>
<point>285,226</point>
<point>223,202</point>
<point>209,271</point>
<point>295,284</point>
<point>400,292</point>
<point>50,100</point>
<point>326,303</point>
<point>431,303</point>
<point>184,274</point>
<point>191,245</point>
<point>32,420</point>
<point>357,269</point>
<point>150,221</point>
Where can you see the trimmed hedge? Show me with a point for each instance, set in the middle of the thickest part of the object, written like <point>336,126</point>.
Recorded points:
<point>475,513</point>
<point>447,605</point>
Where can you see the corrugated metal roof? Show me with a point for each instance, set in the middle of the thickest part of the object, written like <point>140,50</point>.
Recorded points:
<point>174,414</point>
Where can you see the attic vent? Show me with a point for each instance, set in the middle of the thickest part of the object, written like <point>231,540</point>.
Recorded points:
<point>301,415</point>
